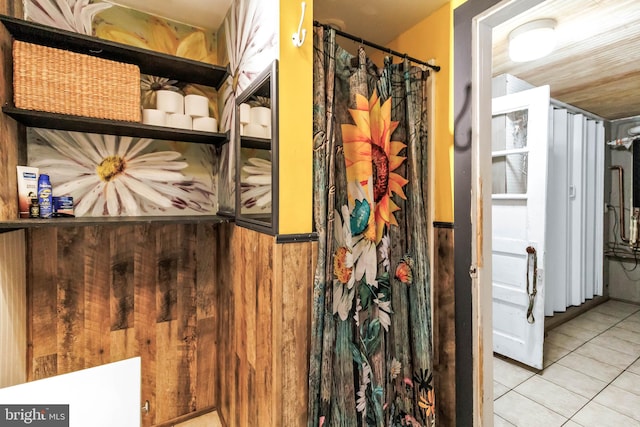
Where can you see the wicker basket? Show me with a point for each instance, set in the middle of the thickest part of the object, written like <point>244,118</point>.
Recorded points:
<point>59,81</point>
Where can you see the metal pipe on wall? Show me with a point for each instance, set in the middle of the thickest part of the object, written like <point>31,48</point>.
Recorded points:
<point>634,226</point>
<point>623,234</point>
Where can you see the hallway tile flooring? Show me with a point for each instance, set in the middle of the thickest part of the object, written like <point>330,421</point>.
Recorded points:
<point>591,375</point>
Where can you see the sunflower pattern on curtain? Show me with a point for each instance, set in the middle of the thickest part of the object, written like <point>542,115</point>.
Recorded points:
<point>371,350</point>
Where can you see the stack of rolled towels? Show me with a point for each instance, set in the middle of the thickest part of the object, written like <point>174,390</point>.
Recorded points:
<point>255,121</point>
<point>178,111</point>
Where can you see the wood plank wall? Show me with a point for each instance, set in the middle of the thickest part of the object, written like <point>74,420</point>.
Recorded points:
<point>444,328</point>
<point>263,349</point>
<point>13,309</point>
<point>219,314</point>
<point>101,294</point>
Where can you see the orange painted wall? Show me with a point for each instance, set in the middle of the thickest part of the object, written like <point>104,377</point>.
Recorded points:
<point>296,120</point>
<point>432,39</point>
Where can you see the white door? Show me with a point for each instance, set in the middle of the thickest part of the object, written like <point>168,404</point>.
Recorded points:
<point>519,184</point>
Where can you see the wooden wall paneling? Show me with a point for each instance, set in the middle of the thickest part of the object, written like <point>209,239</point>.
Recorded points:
<point>166,372</point>
<point>167,361</point>
<point>242,285</point>
<point>121,275</point>
<point>256,366</point>
<point>258,308</point>
<point>210,238</point>
<point>97,320</point>
<point>144,283</point>
<point>444,328</point>
<point>277,349</point>
<point>206,364</point>
<point>13,309</point>
<point>117,292</point>
<point>249,302</point>
<point>207,313</point>
<point>224,383</point>
<point>42,346</point>
<point>186,312</point>
<point>264,376</point>
<point>123,338</point>
<point>167,271</point>
<point>240,396</point>
<point>71,303</point>
<point>231,355</point>
<point>294,268</point>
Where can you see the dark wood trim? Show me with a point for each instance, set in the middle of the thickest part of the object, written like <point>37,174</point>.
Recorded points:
<point>442,224</point>
<point>26,223</point>
<point>254,142</point>
<point>297,238</point>
<point>46,120</point>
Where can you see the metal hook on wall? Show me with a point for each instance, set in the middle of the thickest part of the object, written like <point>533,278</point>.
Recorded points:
<point>298,37</point>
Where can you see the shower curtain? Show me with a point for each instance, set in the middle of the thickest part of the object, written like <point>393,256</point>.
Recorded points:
<point>371,344</point>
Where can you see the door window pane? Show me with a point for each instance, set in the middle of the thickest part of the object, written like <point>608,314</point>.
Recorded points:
<point>510,174</point>
<point>510,169</point>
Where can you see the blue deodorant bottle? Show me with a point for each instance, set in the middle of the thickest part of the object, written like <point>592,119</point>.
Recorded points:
<point>45,198</point>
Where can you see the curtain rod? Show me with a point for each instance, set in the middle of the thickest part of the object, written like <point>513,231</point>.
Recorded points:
<point>377,46</point>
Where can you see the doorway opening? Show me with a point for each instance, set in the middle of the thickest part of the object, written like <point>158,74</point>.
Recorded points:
<point>487,15</point>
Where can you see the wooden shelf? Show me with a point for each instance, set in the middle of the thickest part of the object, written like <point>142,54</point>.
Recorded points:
<point>254,142</point>
<point>42,119</point>
<point>150,62</point>
<point>17,224</point>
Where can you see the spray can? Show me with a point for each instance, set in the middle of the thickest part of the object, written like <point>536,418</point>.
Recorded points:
<point>45,196</point>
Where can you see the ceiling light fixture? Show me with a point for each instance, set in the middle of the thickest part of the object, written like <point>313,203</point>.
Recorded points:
<point>532,40</point>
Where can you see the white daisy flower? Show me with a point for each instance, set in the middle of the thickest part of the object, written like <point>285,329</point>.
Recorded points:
<point>251,30</point>
<point>356,314</point>
<point>361,402</point>
<point>256,183</point>
<point>71,15</point>
<point>252,44</point>
<point>395,368</point>
<point>384,251</point>
<point>364,253</point>
<point>343,265</point>
<point>111,175</point>
<point>149,85</point>
<point>384,311</point>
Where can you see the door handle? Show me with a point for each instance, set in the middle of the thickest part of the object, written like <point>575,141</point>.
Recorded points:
<point>532,281</point>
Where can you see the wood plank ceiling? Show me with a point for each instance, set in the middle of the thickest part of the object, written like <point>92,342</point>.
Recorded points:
<point>596,63</point>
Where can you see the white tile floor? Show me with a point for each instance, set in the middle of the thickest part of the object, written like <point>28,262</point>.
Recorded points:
<point>591,375</point>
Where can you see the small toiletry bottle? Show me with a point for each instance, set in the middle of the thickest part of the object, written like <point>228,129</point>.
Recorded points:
<point>34,209</point>
<point>45,196</point>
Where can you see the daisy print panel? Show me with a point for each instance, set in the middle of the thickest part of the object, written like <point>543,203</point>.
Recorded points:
<point>124,176</point>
